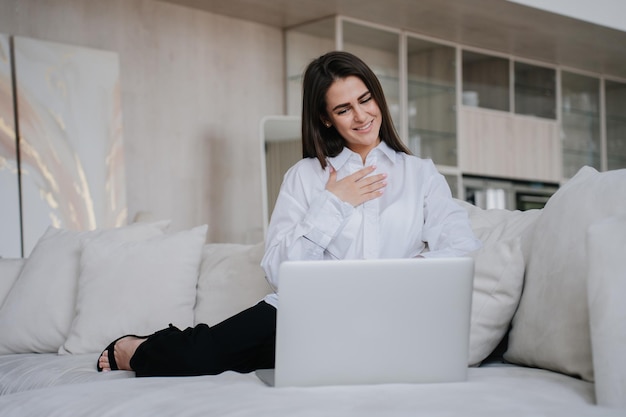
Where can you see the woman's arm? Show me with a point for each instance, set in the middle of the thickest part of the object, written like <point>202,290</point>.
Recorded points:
<point>305,219</point>
<point>447,229</point>
<point>311,211</point>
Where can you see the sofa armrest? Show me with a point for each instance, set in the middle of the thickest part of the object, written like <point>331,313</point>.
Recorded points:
<point>9,271</point>
<point>606,248</point>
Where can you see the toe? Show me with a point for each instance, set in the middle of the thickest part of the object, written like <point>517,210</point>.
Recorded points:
<point>104,361</point>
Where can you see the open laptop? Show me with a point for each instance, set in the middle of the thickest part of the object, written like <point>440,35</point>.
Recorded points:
<point>372,321</point>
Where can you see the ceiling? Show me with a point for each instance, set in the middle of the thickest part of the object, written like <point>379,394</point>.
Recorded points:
<point>496,25</point>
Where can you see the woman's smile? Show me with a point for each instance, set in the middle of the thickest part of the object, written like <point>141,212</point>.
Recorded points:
<point>366,127</point>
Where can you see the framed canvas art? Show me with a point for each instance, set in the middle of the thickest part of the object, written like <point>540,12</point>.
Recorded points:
<point>71,143</point>
<point>10,233</point>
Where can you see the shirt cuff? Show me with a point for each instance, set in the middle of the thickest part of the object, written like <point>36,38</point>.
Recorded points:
<point>326,217</point>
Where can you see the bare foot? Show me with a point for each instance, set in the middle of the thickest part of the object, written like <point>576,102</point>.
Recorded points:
<point>123,351</point>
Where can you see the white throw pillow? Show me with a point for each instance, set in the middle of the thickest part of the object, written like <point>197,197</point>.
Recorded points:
<point>551,326</point>
<point>38,311</point>
<point>607,311</point>
<point>134,288</point>
<point>498,281</point>
<point>231,280</point>
<point>498,274</point>
<point>500,225</point>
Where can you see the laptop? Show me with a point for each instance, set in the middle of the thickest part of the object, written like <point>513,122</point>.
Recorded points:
<point>349,322</point>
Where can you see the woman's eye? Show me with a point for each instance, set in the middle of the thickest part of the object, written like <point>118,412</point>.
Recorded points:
<point>342,111</point>
<point>366,99</point>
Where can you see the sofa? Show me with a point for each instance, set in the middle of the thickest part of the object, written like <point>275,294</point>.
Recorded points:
<point>547,337</point>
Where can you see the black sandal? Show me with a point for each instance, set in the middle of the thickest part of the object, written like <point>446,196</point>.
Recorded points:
<point>110,349</point>
<point>111,354</point>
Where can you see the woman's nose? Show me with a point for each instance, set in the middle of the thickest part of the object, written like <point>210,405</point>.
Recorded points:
<point>359,113</point>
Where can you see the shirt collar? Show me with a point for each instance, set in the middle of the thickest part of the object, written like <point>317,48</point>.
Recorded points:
<point>338,161</point>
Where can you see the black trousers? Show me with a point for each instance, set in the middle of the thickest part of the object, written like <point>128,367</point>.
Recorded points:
<point>242,343</point>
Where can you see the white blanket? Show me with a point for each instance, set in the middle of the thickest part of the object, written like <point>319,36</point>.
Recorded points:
<point>490,391</point>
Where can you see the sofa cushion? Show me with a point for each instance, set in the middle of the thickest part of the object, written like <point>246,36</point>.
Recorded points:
<point>498,274</point>
<point>606,287</point>
<point>134,287</point>
<point>231,280</point>
<point>493,391</point>
<point>551,326</point>
<point>33,371</point>
<point>38,311</point>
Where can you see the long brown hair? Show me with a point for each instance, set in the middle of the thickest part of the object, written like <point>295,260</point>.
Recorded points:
<point>319,141</point>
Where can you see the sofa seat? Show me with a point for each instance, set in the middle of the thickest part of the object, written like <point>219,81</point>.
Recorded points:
<point>30,371</point>
<point>489,391</point>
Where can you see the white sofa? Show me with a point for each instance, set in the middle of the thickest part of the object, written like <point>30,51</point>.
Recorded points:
<point>555,277</point>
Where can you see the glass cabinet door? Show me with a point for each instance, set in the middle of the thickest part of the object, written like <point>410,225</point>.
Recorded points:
<point>535,90</point>
<point>615,96</point>
<point>431,84</point>
<point>380,49</point>
<point>303,44</point>
<point>580,107</point>
<point>486,81</point>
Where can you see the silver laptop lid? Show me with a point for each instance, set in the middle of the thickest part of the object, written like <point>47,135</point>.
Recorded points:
<point>373,321</point>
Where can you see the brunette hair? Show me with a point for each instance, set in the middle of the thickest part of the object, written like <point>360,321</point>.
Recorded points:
<point>320,142</point>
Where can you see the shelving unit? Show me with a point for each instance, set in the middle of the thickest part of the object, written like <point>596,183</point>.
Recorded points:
<point>475,112</point>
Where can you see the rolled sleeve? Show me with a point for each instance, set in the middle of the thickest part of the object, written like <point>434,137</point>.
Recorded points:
<point>326,217</point>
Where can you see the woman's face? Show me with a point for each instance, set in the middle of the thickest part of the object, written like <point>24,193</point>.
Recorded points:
<point>351,109</point>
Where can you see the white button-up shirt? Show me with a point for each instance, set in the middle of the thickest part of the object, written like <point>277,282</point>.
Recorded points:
<point>416,214</point>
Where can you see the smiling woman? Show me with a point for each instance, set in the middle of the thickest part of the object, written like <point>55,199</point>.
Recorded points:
<point>358,193</point>
<point>331,205</point>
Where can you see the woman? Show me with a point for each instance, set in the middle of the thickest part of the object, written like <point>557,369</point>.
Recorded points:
<point>356,194</point>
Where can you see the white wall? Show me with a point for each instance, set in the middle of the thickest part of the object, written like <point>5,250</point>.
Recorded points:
<point>609,13</point>
<point>194,88</point>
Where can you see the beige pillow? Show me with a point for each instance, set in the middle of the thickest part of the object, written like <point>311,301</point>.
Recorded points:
<point>37,313</point>
<point>134,288</point>
<point>498,274</point>
<point>498,280</point>
<point>498,225</point>
<point>231,280</point>
<point>551,327</point>
<point>606,288</point>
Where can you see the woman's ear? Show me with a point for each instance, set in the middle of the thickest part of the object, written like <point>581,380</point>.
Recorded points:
<point>325,121</point>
